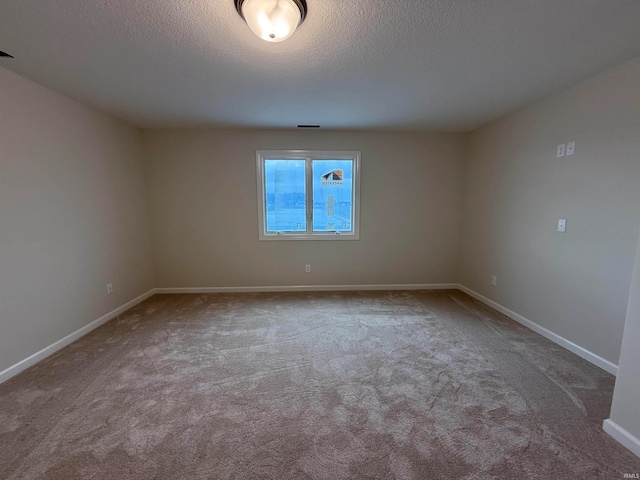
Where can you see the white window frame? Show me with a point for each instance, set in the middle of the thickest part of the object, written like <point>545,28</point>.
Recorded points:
<point>308,156</point>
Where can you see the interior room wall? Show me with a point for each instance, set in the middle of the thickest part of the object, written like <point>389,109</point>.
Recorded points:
<point>624,422</point>
<point>73,217</point>
<point>203,194</point>
<point>575,284</point>
<point>437,208</point>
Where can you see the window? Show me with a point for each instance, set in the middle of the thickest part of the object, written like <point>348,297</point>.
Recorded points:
<point>308,195</point>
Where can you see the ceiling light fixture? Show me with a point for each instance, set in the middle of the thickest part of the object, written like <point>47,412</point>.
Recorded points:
<point>272,20</point>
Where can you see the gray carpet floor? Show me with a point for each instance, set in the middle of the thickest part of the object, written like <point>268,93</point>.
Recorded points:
<point>348,385</point>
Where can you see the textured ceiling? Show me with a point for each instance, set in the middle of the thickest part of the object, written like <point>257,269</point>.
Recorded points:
<point>370,64</point>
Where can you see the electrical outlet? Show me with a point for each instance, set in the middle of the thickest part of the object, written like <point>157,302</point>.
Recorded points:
<point>307,268</point>
<point>571,148</point>
<point>109,288</point>
<point>562,225</point>
<point>560,150</point>
<point>494,280</point>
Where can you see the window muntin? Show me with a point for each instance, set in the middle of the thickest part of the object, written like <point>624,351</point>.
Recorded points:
<point>308,195</point>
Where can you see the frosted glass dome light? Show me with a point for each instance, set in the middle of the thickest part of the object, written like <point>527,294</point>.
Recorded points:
<point>272,20</point>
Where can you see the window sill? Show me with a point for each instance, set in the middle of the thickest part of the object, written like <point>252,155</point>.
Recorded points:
<point>316,236</point>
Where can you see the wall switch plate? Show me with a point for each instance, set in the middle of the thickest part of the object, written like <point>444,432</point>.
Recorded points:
<point>307,268</point>
<point>562,225</point>
<point>571,148</point>
<point>560,151</point>
<point>109,288</point>
<point>494,280</point>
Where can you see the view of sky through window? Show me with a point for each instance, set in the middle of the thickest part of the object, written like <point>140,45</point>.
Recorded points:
<point>332,195</point>
<point>285,195</point>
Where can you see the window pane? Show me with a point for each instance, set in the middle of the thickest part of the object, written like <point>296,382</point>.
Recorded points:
<point>285,206</point>
<point>332,195</point>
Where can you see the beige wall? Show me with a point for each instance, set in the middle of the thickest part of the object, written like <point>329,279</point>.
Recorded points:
<point>575,284</point>
<point>73,217</point>
<point>202,187</point>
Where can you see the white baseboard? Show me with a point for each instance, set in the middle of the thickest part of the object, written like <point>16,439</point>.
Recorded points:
<point>572,347</point>
<point>621,436</point>
<point>589,356</point>
<point>310,288</point>
<point>54,347</point>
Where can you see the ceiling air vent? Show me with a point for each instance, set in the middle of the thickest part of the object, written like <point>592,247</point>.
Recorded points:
<point>5,54</point>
